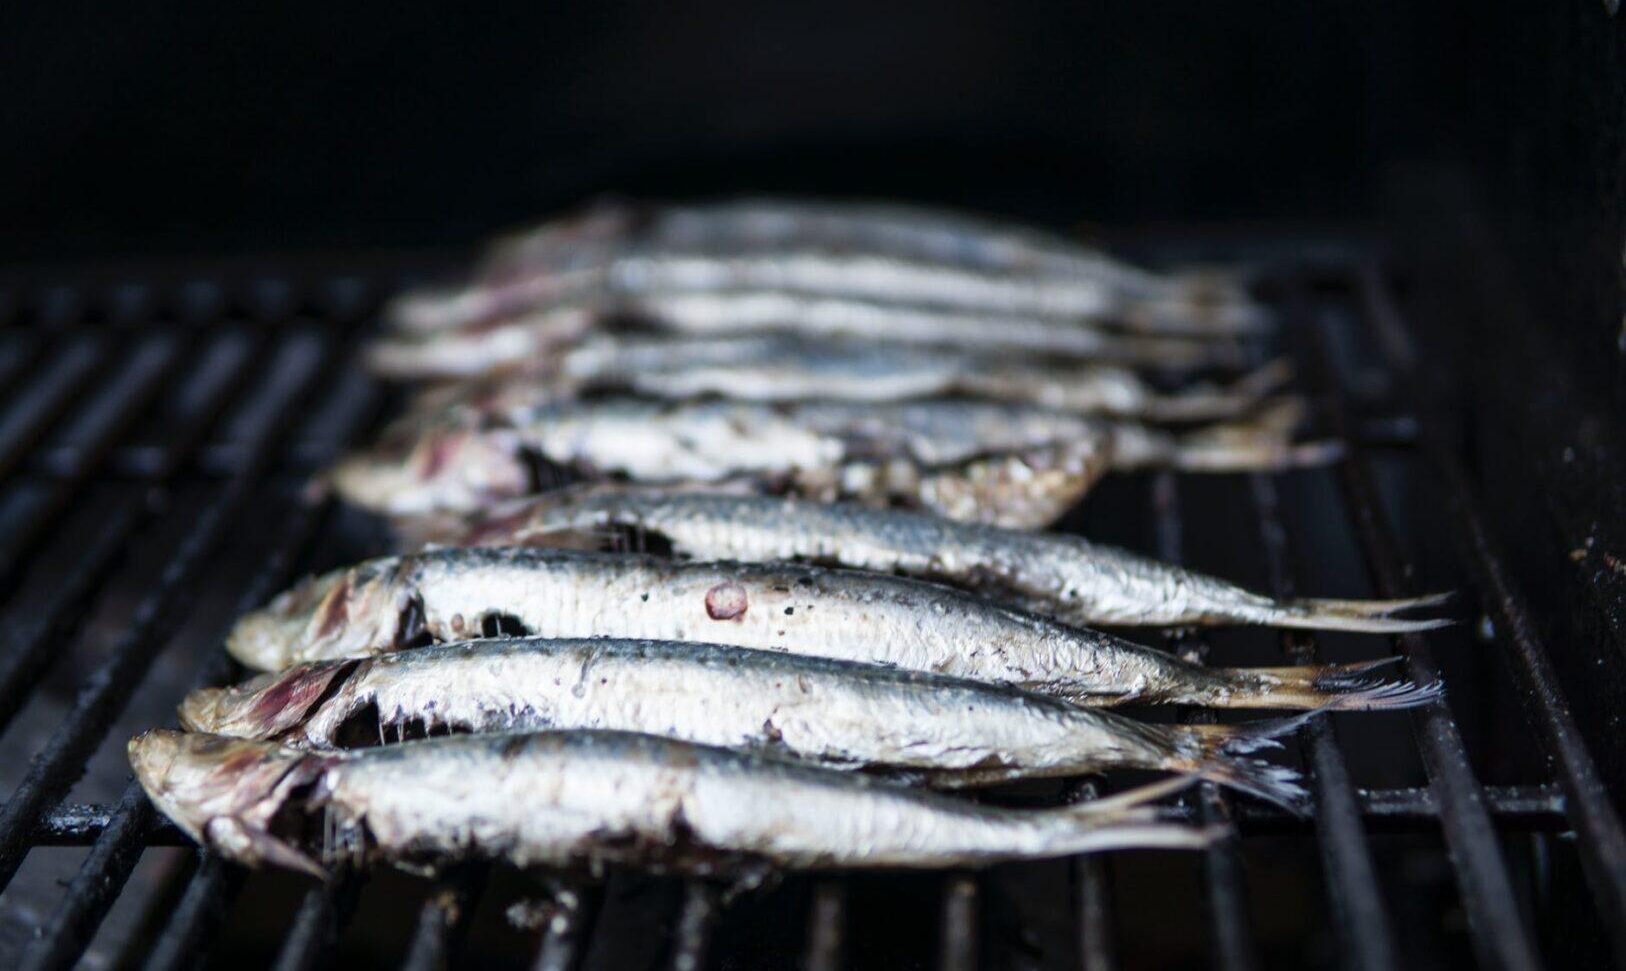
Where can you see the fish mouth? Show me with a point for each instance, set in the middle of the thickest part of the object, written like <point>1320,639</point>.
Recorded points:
<point>227,793</point>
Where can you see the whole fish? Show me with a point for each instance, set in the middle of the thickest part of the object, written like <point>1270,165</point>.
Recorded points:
<point>585,799</point>
<point>521,339</point>
<point>1061,576</point>
<point>453,594</point>
<point>1015,465</point>
<point>917,232</point>
<point>951,731</point>
<point>629,272</point>
<point>777,368</point>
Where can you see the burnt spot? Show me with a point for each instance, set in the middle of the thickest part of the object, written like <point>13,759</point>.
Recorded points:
<point>412,626</point>
<point>790,611</point>
<point>727,601</point>
<point>499,624</point>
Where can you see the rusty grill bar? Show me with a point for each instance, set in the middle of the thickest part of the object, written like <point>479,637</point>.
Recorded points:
<point>244,385</point>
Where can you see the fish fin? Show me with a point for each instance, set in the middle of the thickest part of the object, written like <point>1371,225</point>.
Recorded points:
<point>1136,799</point>
<point>1219,758</point>
<point>253,845</point>
<point>1367,616</point>
<point>1209,402</point>
<point>1332,687</point>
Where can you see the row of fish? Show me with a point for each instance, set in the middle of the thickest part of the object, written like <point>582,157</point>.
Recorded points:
<point>798,596</point>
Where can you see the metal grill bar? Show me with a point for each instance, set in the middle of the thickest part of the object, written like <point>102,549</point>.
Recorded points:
<point>1365,933</point>
<point>104,694</point>
<point>1500,937</point>
<point>1225,894</point>
<point>1598,827</point>
<point>442,920</point>
<point>1343,816</point>
<point>127,829</point>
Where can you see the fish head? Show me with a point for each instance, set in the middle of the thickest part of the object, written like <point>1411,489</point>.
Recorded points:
<point>367,609</point>
<point>227,793</point>
<point>444,469</point>
<point>263,707</point>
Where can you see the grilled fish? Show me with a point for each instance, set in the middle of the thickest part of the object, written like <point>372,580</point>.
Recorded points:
<point>1064,577</point>
<point>571,799</point>
<point>777,368</point>
<point>951,731</point>
<point>454,594</point>
<point>1015,465</point>
<point>521,339</point>
<point>915,232</point>
<point>630,272</point>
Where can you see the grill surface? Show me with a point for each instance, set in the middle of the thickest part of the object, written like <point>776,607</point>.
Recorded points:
<point>156,431</point>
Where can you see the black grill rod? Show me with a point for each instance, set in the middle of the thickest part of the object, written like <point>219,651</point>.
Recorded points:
<point>957,942</point>
<point>1500,937</point>
<point>316,923</point>
<point>107,868</point>
<point>567,928</point>
<point>202,907</point>
<point>102,696</point>
<point>1224,890</point>
<point>1365,931</point>
<point>37,407</point>
<point>1598,829</point>
<point>826,925</point>
<point>94,888</point>
<point>1093,892</point>
<point>443,919</point>
<point>697,918</point>
<point>136,387</point>
<point>27,657</point>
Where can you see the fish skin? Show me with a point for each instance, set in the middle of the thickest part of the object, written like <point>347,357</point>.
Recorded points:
<point>935,452</point>
<point>787,368</point>
<point>453,594</point>
<point>838,713</point>
<point>703,245</point>
<point>586,799</point>
<point>1064,577</point>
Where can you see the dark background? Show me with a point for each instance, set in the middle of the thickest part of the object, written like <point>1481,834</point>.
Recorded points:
<point>179,127</point>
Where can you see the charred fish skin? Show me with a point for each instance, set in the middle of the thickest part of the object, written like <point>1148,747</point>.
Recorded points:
<point>841,714</point>
<point>1061,576</point>
<point>591,798</point>
<point>453,594</point>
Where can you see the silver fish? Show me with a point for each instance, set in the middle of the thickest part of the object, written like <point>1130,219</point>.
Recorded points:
<point>1060,300</point>
<point>1015,465</point>
<point>1065,577</point>
<point>951,731</point>
<point>521,340</point>
<point>453,594</point>
<point>573,799</point>
<point>779,368</point>
<point>918,232</point>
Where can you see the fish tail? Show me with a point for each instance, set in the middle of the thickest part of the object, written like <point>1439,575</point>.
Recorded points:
<point>1363,616</point>
<point>1263,442</point>
<point>1228,401</point>
<point>1217,754</point>
<point>1336,687</point>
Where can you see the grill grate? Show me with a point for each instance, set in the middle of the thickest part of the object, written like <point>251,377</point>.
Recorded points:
<point>224,392</point>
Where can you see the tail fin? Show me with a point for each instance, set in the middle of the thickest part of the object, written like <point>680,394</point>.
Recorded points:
<point>1215,754</point>
<point>1333,687</point>
<point>1364,616</point>
<point>1210,402</point>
